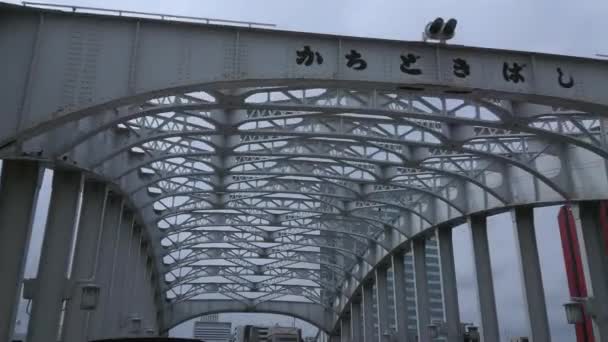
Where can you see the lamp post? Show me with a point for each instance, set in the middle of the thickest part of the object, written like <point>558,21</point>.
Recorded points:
<point>577,308</point>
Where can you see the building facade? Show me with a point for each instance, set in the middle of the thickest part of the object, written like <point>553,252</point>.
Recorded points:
<point>210,329</point>
<point>252,333</point>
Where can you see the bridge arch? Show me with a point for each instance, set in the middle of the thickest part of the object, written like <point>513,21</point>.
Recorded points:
<point>379,146</point>
<point>311,313</point>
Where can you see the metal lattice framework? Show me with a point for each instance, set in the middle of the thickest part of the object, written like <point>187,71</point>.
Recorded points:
<point>259,181</point>
<point>285,195</point>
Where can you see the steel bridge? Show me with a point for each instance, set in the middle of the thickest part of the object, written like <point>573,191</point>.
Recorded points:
<point>206,168</point>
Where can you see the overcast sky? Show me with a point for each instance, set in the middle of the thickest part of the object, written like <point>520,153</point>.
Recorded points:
<point>554,26</point>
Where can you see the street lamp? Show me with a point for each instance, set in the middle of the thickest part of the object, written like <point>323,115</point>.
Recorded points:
<point>440,30</point>
<point>577,308</point>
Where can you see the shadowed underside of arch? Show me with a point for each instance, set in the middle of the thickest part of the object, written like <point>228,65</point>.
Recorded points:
<point>310,313</point>
<point>270,186</point>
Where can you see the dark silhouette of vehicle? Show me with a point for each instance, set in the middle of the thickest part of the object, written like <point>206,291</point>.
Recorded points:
<point>149,339</point>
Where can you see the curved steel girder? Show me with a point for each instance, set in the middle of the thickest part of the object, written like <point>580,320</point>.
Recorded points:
<point>355,237</point>
<point>286,135</point>
<point>270,183</point>
<point>307,191</point>
<point>245,196</point>
<point>371,220</point>
<point>267,293</point>
<point>277,221</point>
<point>233,291</point>
<point>271,176</point>
<point>314,314</point>
<point>519,127</point>
<point>144,162</point>
<point>264,215</point>
<point>232,271</point>
<point>267,253</point>
<point>280,276</point>
<point>120,116</point>
<point>281,261</point>
<point>478,183</point>
<point>357,197</point>
<point>238,284</point>
<point>258,232</point>
<point>262,205</point>
<point>223,236</point>
<point>154,180</point>
<point>490,156</point>
<point>264,291</point>
<point>303,241</point>
<point>338,270</point>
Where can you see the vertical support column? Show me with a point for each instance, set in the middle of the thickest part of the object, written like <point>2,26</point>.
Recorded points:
<point>422,293</point>
<point>595,263</point>
<point>18,196</point>
<point>145,285</point>
<point>141,281</point>
<point>132,303</point>
<point>345,330</point>
<point>122,272</point>
<point>103,277</point>
<point>448,284</point>
<point>529,263</point>
<point>125,305</point>
<point>382,304</point>
<point>51,282</point>
<point>368,311</point>
<point>400,306</point>
<point>85,258</point>
<point>355,322</point>
<point>485,283</point>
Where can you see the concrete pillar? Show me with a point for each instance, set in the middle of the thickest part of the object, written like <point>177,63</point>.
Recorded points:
<point>356,324</point>
<point>123,275</point>
<point>368,311</point>
<point>529,264</point>
<point>448,284</point>
<point>51,284</point>
<point>400,306</point>
<point>594,255</point>
<point>485,283</point>
<point>345,330</point>
<point>85,258</point>
<point>103,277</point>
<point>382,304</point>
<point>18,196</point>
<point>423,309</point>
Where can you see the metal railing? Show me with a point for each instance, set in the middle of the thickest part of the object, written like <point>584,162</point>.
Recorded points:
<point>136,14</point>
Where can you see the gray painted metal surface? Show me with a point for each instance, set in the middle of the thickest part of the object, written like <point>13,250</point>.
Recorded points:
<point>262,177</point>
<point>18,199</point>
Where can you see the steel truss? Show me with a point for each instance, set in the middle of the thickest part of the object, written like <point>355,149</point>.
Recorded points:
<point>284,193</point>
